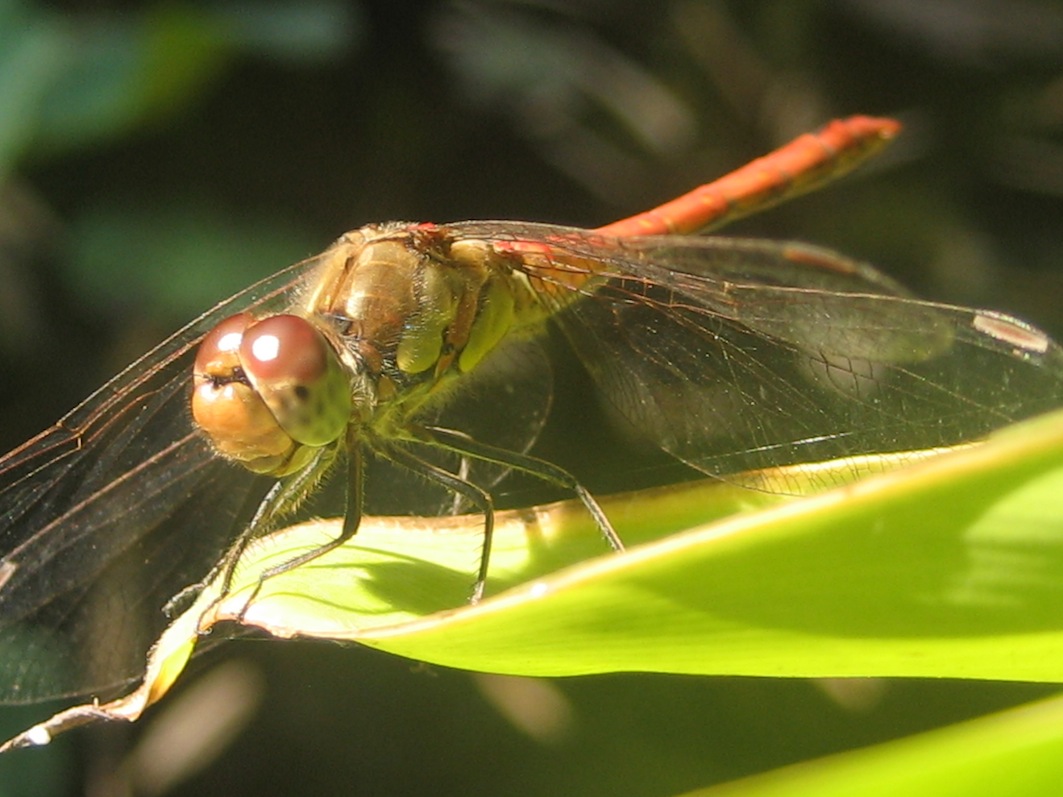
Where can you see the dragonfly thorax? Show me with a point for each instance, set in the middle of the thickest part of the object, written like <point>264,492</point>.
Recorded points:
<point>413,310</point>
<point>396,314</point>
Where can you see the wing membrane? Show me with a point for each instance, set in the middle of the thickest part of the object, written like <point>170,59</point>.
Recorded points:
<point>110,513</point>
<point>734,354</point>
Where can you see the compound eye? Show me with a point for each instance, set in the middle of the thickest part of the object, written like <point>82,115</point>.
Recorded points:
<point>284,348</point>
<point>227,408</point>
<point>219,353</point>
<point>298,376</point>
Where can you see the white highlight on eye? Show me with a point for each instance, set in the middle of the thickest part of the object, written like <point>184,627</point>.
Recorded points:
<point>230,342</point>
<point>266,348</point>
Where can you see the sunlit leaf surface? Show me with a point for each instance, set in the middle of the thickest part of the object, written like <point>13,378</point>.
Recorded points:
<point>946,567</point>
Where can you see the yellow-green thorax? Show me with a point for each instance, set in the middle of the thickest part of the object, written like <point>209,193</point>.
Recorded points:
<point>411,310</point>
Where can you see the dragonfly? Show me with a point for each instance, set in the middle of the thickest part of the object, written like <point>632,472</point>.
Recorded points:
<point>410,348</point>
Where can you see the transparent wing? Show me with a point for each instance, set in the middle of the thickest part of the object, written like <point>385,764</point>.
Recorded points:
<point>734,354</point>
<point>505,401</point>
<point>110,513</point>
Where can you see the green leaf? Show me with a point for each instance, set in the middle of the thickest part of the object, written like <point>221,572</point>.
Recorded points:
<point>33,53</point>
<point>947,568</point>
<point>1017,752</point>
<point>70,82</point>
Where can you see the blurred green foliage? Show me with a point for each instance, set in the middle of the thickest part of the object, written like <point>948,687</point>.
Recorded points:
<point>154,157</point>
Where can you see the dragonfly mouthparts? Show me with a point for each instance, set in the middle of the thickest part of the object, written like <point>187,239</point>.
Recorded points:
<point>235,376</point>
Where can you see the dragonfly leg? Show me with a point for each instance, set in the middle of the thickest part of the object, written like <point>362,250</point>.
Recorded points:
<point>477,496</point>
<point>460,443</point>
<point>294,490</point>
<point>284,493</point>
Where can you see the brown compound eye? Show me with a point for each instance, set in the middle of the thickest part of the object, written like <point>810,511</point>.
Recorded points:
<point>284,350</point>
<point>268,392</point>
<point>228,409</point>
<point>298,375</point>
<point>218,356</point>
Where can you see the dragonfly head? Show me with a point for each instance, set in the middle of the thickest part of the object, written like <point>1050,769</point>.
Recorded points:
<point>269,392</point>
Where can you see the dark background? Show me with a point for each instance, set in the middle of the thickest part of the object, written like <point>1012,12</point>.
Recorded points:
<point>154,158</point>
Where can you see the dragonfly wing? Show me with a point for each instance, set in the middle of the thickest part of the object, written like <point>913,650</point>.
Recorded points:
<point>82,601</point>
<point>109,514</point>
<point>735,355</point>
<point>505,401</point>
